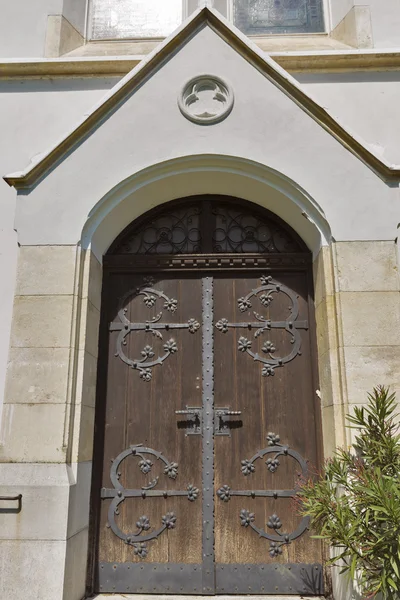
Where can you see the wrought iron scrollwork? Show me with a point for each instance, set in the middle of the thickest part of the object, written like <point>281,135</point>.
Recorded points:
<point>239,230</point>
<point>265,294</point>
<point>247,518</point>
<point>172,232</point>
<point>221,226</point>
<point>138,539</point>
<point>153,326</point>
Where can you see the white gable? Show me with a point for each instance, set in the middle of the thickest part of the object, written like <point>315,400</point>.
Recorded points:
<point>265,126</point>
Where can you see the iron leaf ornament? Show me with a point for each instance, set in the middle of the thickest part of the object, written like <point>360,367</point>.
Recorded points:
<point>265,294</point>
<point>247,518</point>
<point>193,493</point>
<point>224,493</point>
<point>153,326</point>
<point>247,467</point>
<point>144,533</point>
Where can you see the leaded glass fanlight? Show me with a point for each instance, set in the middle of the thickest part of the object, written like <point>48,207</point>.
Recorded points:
<point>261,17</point>
<point>214,224</point>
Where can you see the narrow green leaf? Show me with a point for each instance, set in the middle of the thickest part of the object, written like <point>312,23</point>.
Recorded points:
<point>392,584</point>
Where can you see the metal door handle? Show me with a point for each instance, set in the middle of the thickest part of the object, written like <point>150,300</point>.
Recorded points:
<point>222,427</point>
<point>194,424</point>
<point>15,510</point>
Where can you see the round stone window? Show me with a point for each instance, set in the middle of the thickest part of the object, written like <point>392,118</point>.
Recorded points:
<point>206,99</point>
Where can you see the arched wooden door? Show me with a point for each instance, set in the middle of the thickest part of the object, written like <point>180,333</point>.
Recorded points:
<point>207,413</point>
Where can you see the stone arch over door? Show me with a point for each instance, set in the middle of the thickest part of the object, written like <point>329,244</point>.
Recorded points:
<point>205,174</point>
<point>222,259</point>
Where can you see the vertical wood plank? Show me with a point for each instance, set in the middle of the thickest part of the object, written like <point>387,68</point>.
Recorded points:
<point>143,412</point>
<point>283,403</point>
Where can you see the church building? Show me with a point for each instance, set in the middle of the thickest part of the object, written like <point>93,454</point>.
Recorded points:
<point>199,209</point>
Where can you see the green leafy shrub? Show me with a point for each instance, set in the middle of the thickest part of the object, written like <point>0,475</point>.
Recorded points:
<point>355,504</point>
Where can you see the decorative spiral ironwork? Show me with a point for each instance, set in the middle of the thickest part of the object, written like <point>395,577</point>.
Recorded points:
<point>247,518</point>
<point>138,539</point>
<point>265,294</point>
<point>176,232</point>
<point>237,230</point>
<point>153,326</point>
<point>220,226</point>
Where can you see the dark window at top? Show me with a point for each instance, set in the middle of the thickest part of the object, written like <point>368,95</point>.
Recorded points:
<point>211,224</point>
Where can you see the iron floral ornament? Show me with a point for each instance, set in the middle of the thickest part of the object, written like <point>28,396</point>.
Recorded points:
<point>265,295</point>
<point>274,525</point>
<point>154,327</point>
<point>144,532</point>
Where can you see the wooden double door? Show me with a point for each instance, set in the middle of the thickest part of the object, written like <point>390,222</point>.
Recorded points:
<point>209,422</point>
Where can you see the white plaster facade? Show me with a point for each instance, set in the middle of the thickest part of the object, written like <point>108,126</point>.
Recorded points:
<point>89,146</point>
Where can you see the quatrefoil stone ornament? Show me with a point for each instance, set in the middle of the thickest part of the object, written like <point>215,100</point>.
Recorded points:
<point>206,99</point>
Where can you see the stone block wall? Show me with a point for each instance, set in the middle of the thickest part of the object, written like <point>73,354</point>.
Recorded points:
<point>357,298</point>
<point>358,322</point>
<point>48,423</point>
